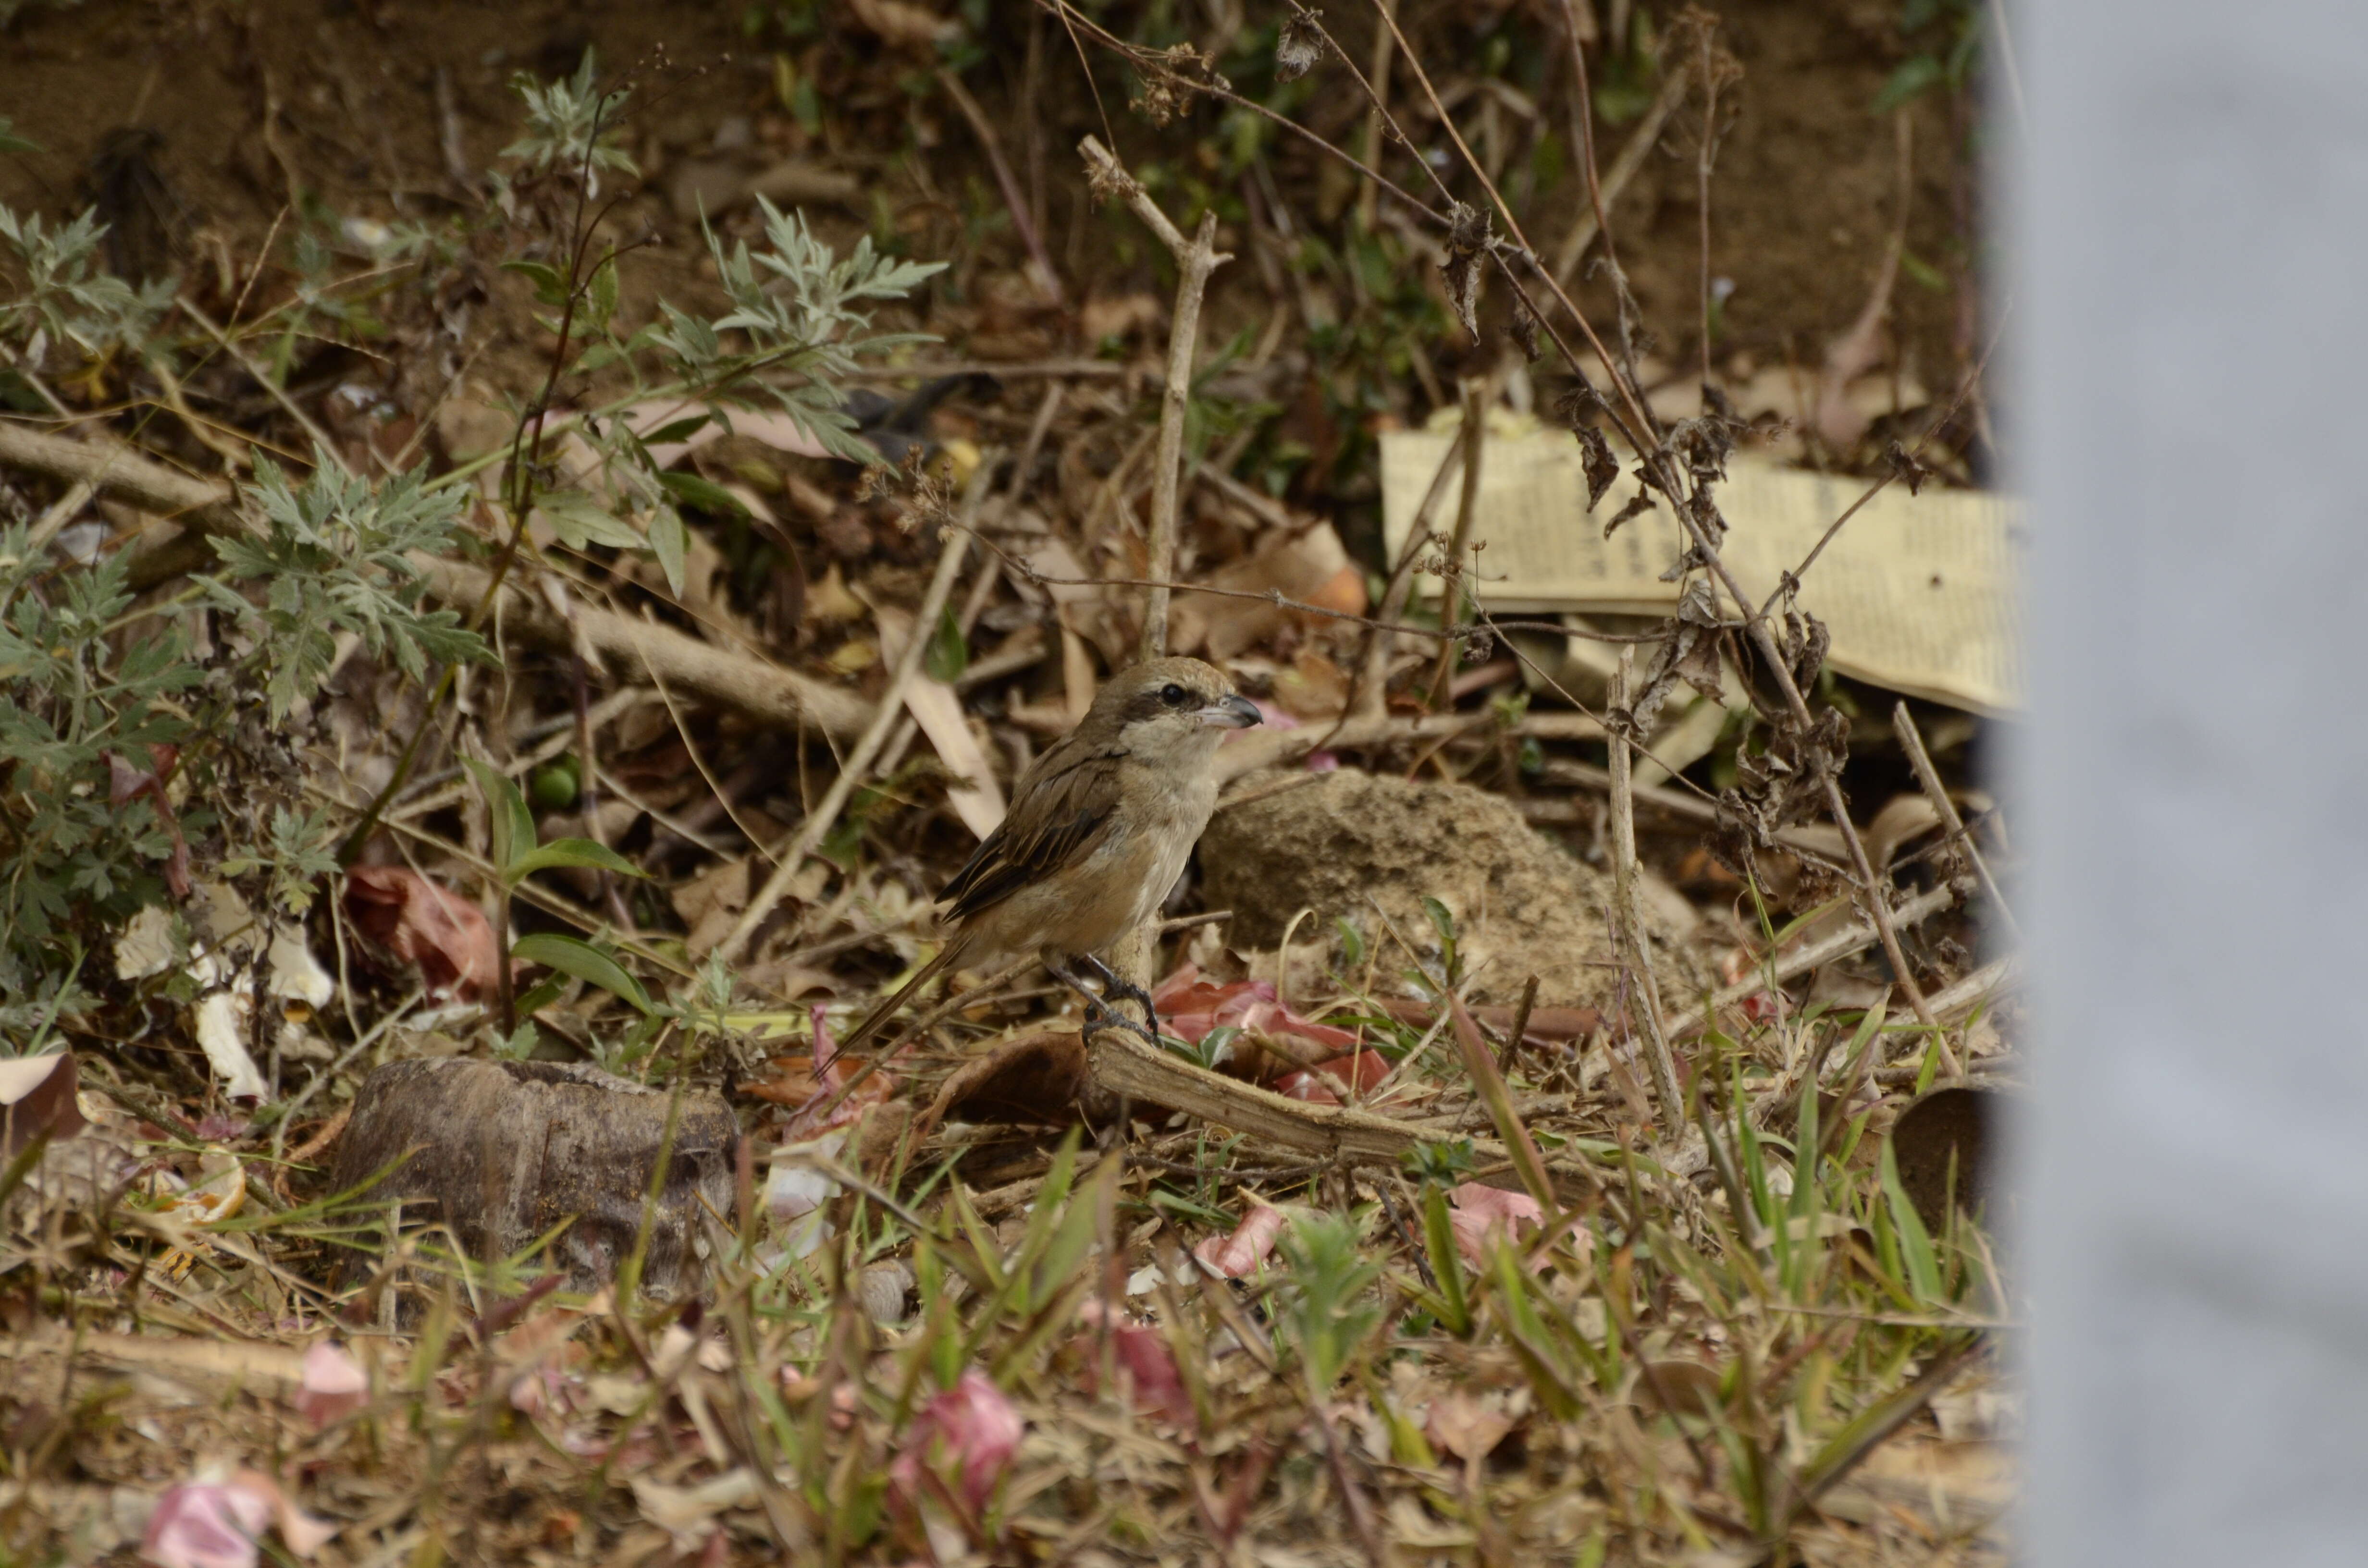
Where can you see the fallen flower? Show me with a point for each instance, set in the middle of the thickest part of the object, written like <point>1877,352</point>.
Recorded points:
<point>216,1523</point>
<point>423,923</point>
<point>205,1525</point>
<point>332,1385</point>
<point>1231,1257</point>
<point>1142,1353</point>
<point>1479,1210</point>
<point>1190,1007</point>
<point>972,1422</point>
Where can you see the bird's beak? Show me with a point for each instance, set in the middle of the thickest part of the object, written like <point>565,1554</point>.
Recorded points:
<point>1232,712</point>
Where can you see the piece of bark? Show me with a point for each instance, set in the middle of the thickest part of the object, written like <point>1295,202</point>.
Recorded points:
<point>504,1151</point>
<point>1037,1079</point>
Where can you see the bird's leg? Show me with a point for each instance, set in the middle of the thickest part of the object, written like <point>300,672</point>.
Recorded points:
<point>1114,984</point>
<point>1098,1014</point>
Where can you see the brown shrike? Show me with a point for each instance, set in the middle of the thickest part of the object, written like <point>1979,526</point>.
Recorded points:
<point>1100,828</point>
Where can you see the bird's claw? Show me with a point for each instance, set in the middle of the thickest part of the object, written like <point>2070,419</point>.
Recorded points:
<point>1117,987</point>
<point>1099,1018</point>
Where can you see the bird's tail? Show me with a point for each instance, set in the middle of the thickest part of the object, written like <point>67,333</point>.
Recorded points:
<point>877,1020</point>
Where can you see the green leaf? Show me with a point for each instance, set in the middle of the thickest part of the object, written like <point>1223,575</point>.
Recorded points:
<point>549,288</point>
<point>708,496</point>
<point>1446,1263</point>
<point>12,142</point>
<point>510,823</point>
<point>1915,76</point>
<point>573,956</point>
<point>671,540</point>
<point>676,430</point>
<point>579,520</point>
<point>948,654</point>
<point>1915,1241</point>
<point>570,852</point>
<point>602,303</point>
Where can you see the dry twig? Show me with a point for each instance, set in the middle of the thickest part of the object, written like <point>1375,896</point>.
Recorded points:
<point>1627,919</point>
<point>860,758</point>
<point>1196,259</point>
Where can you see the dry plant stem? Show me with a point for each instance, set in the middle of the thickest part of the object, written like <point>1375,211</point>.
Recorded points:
<point>1977,988</point>
<point>1368,193</point>
<point>1607,190</point>
<point>1021,220</point>
<point>1706,154</point>
<point>1912,740</point>
<point>1381,646</point>
<point>325,446</point>
<point>587,791</point>
<point>1195,259</point>
<point>1151,63</point>
<point>1352,1496</point>
<point>1488,1084</point>
<point>1855,937</point>
<point>1629,936</point>
<point>1639,421</point>
<point>760,690</point>
<point>1474,442</point>
<point>858,766</point>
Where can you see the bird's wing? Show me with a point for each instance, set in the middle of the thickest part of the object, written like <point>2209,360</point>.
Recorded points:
<point>1058,817</point>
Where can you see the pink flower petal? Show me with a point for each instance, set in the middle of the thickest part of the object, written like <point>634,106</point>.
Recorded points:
<point>972,1424</point>
<point>215,1524</point>
<point>1142,1352</point>
<point>333,1386</point>
<point>205,1525</point>
<point>1496,1202</point>
<point>1231,1257</point>
<point>1481,1210</point>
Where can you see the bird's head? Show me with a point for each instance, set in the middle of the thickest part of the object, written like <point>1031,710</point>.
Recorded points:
<point>1171,709</point>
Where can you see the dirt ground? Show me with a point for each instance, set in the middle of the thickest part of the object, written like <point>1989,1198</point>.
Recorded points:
<point>373,111</point>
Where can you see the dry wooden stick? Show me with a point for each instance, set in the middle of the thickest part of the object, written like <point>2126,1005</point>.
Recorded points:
<point>199,504</point>
<point>1195,259</point>
<point>1381,647</point>
<point>763,691</point>
<point>1127,1066</point>
<point>1369,195</point>
<point>1450,593</point>
<point>1929,778</point>
<point>1854,938</point>
<point>858,766</point>
<point>1628,923</point>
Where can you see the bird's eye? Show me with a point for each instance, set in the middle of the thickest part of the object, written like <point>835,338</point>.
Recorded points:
<point>1172,695</point>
